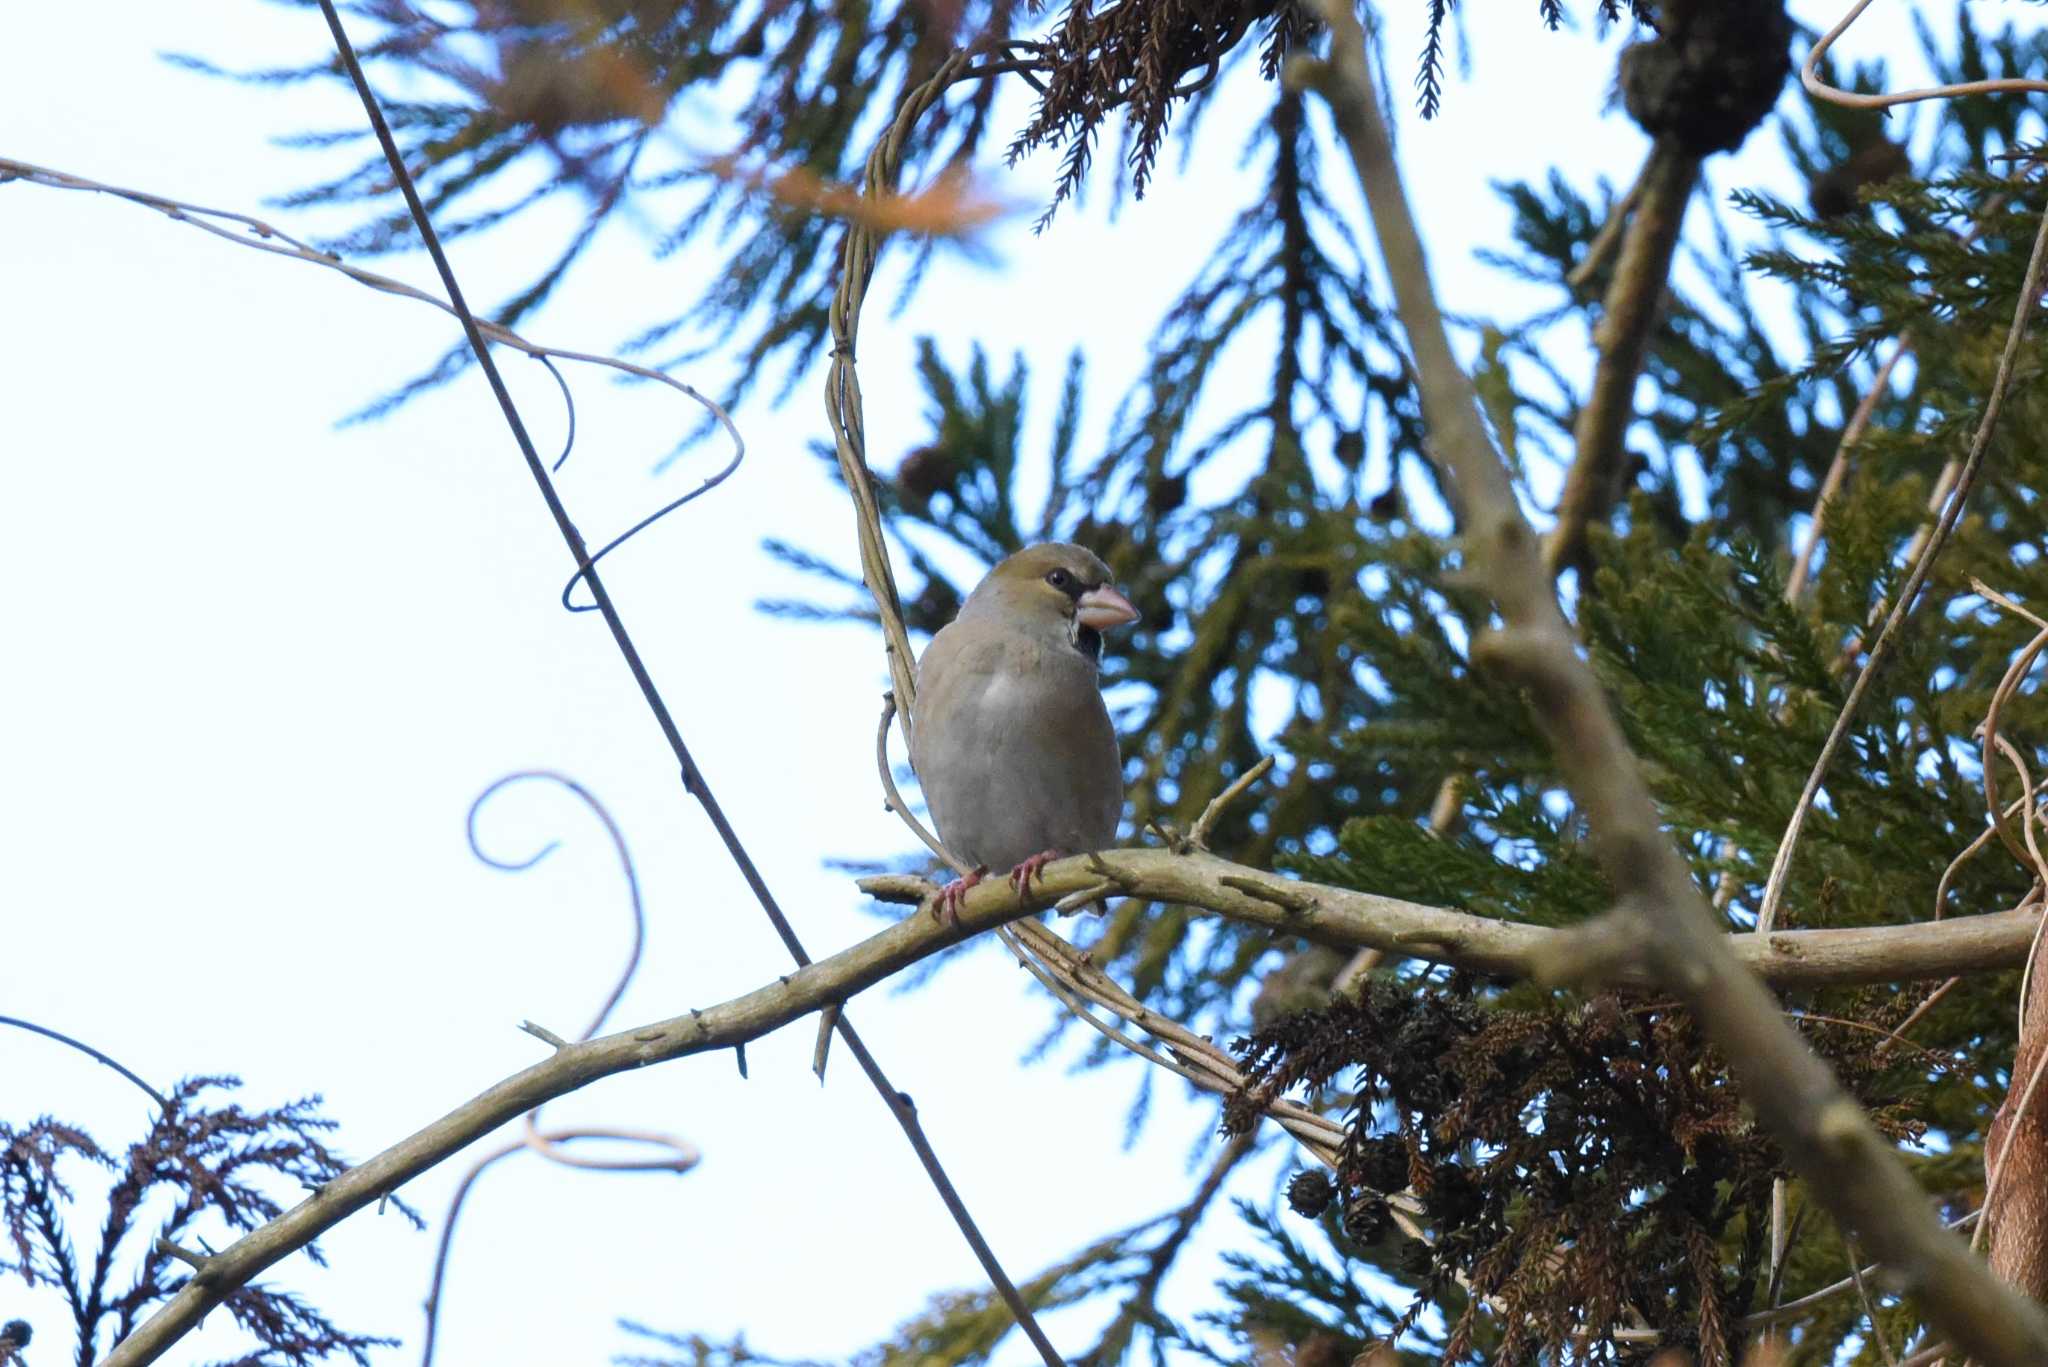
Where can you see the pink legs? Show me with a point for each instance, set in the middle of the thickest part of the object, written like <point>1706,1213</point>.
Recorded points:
<point>946,905</point>
<point>1021,876</point>
<point>948,900</point>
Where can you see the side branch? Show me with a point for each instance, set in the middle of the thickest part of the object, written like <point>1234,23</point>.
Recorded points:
<point>1634,299</point>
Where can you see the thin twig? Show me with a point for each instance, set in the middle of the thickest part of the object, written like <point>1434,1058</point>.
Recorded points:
<point>895,799</point>
<point>1909,593</point>
<point>1869,1306</point>
<point>1198,834</point>
<point>1853,430</point>
<point>1809,76</point>
<point>1605,242</point>
<point>1140,1305</point>
<point>1795,586</point>
<point>1790,1310</point>
<point>1831,483</point>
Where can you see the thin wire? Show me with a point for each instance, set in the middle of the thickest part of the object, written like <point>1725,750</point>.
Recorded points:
<point>266,237</point>
<point>711,482</point>
<point>95,1055</point>
<point>568,402</point>
<point>693,779</point>
<point>262,236</point>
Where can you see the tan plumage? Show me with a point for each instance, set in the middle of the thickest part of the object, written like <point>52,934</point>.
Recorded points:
<point>1011,740</point>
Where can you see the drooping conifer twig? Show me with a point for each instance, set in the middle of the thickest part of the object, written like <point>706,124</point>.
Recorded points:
<point>1849,1166</point>
<point>203,1163</point>
<point>1142,1304</point>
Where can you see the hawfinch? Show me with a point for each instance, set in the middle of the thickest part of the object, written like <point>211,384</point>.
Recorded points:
<point>1011,740</point>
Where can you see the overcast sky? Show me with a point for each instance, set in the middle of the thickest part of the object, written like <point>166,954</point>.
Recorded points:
<point>258,666</point>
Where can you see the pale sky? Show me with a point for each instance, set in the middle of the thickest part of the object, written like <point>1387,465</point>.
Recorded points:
<point>258,666</point>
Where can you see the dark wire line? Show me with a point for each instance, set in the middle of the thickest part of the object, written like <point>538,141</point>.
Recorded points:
<point>82,1047</point>
<point>623,537</point>
<point>568,402</point>
<point>693,779</point>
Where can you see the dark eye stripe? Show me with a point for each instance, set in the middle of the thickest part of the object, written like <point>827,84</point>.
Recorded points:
<point>1066,583</point>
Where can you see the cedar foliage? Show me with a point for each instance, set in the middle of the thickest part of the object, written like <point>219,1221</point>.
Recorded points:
<point>206,1167</point>
<point>1598,1131</point>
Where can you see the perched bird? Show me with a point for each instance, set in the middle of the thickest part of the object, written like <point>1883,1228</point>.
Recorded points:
<point>1010,739</point>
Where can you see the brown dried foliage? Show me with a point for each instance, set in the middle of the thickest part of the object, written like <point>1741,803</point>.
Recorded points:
<point>1582,1167</point>
<point>1146,55</point>
<point>202,1164</point>
<point>951,207</point>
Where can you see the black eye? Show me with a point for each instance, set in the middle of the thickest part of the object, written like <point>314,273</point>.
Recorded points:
<point>1060,580</point>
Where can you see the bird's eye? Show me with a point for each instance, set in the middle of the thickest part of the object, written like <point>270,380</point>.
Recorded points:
<point>1060,580</point>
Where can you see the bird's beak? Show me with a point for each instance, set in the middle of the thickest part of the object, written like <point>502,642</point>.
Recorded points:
<point>1102,608</point>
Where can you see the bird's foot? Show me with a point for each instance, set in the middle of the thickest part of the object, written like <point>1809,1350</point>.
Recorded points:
<point>950,896</point>
<point>1034,867</point>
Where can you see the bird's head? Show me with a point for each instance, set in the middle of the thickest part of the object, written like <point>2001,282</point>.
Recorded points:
<point>1054,589</point>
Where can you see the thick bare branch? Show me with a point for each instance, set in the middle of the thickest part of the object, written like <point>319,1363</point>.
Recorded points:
<point>1828,1139</point>
<point>1344,919</point>
<point>1333,916</point>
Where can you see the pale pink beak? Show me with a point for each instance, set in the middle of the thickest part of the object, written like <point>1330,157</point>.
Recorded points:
<point>1103,608</point>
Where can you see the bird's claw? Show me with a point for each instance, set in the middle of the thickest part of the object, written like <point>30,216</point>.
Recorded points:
<point>946,905</point>
<point>1034,867</point>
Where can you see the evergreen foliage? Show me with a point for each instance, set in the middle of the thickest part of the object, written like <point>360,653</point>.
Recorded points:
<point>1582,1162</point>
